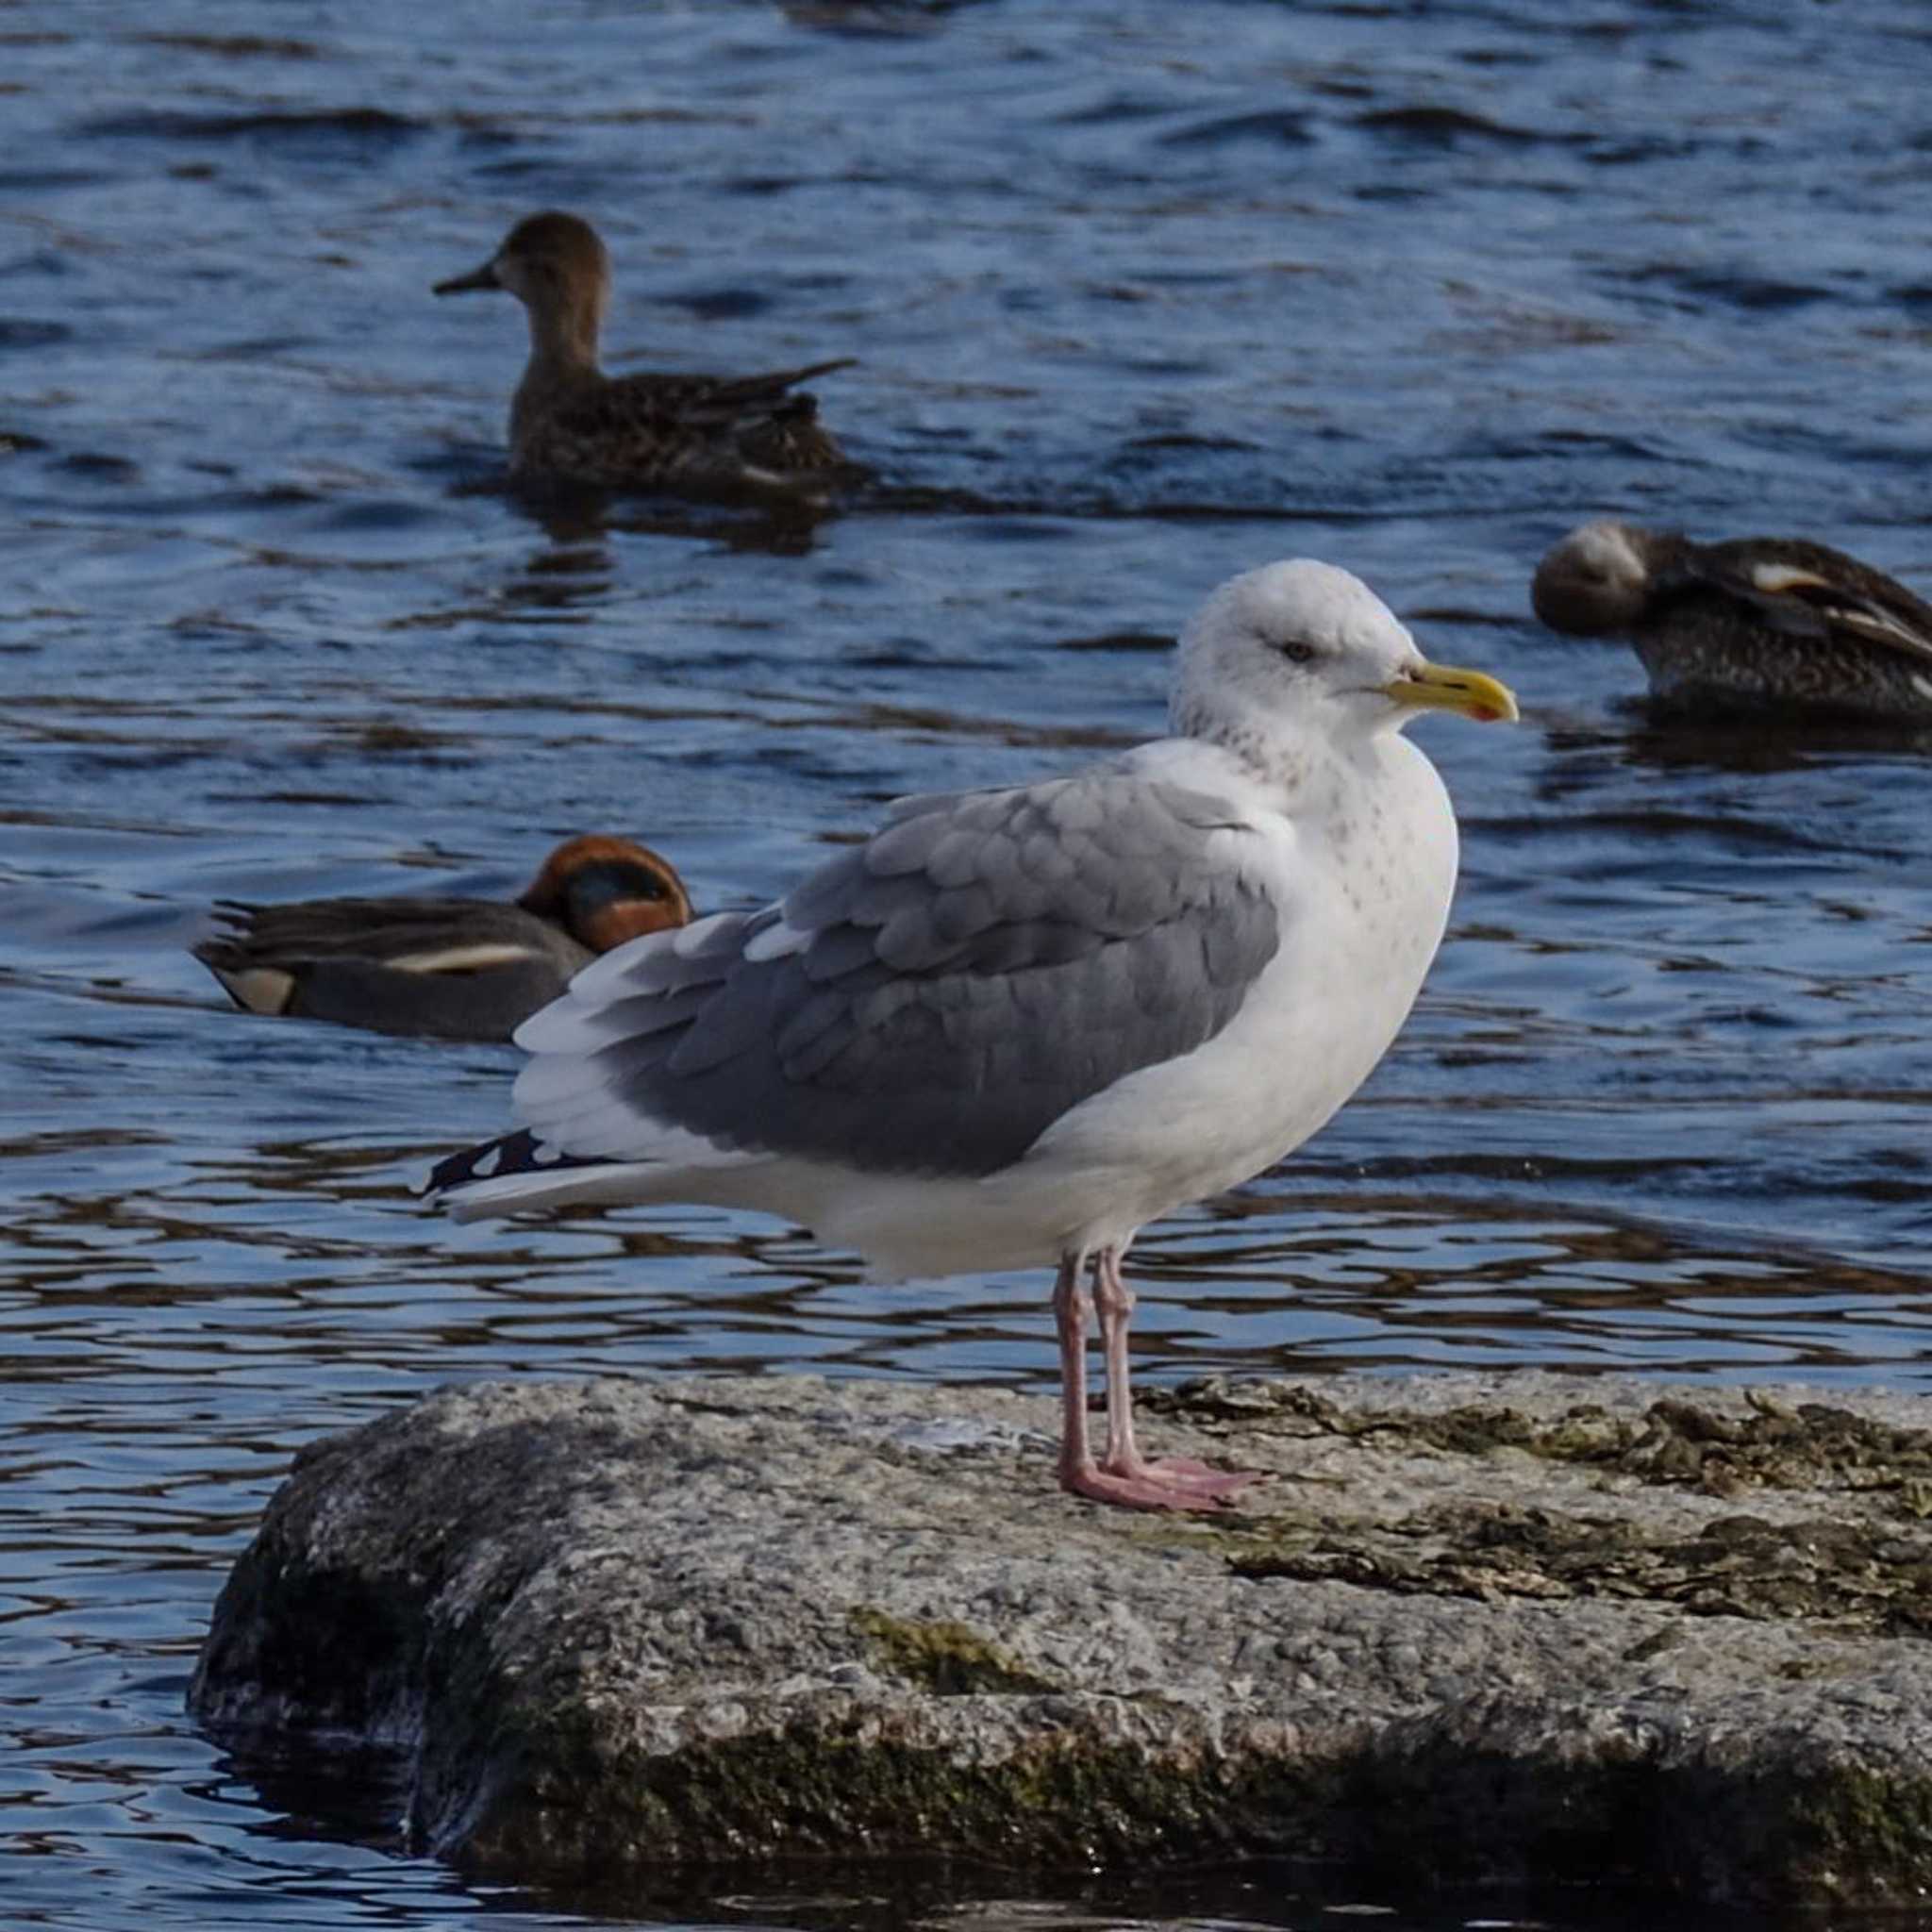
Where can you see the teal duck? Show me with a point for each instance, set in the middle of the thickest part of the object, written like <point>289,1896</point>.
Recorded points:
<point>447,969</point>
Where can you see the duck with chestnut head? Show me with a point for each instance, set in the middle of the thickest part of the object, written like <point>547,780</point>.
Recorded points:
<point>444,967</point>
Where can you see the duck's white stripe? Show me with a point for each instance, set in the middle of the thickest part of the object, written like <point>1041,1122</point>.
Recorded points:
<point>1775,579</point>
<point>470,958</point>
<point>256,988</point>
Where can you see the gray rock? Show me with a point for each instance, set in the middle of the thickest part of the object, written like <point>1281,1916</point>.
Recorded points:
<point>1522,1628</point>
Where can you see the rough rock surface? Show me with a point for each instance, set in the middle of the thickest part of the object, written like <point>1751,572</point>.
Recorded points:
<point>1520,1627</point>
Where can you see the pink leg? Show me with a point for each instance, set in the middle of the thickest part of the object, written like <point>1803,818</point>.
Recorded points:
<point>1123,1477</point>
<point>1070,1323</point>
<point>1194,1484</point>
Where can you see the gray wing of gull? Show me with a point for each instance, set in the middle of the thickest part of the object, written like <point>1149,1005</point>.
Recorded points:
<point>929,1002</point>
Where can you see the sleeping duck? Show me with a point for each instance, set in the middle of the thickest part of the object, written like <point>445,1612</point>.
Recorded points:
<point>1755,622</point>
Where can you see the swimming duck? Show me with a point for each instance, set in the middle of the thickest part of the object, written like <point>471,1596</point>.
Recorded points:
<point>446,968</point>
<point>1759,620</point>
<point>571,423</point>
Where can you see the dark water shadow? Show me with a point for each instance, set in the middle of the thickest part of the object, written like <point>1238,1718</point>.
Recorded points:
<point>573,516</point>
<point>1669,737</point>
<point>309,1789</point>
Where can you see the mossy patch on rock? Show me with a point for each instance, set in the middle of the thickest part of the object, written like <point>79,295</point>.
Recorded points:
<point>945,1658</point>
<point>1462,1810</point>
<point>834,1786</point>
<point>1847,1819</point>
<point>1855,1575</point>
<point>1804,1446</point>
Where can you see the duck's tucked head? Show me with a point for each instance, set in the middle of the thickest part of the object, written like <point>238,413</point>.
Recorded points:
<point>1304,648</point>
<point>1596,581</point>
<point>604,891</point>
<point>553,263</point>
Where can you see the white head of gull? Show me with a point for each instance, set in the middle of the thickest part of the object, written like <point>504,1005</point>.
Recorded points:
<point>1014,1025</point>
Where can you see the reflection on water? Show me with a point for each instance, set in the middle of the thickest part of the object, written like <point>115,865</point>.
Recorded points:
<point>1142,296</point>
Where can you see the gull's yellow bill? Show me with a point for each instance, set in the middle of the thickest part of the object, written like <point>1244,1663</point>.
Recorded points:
<point>1446,688</point>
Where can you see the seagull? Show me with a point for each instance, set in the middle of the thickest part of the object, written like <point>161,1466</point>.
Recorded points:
<point>1014,1025</point>
<point>1758,621</point>
<point>570,422</point>
<point>444,968</point>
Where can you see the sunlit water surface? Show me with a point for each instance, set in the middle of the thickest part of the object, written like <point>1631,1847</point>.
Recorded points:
<point>1143,294</point>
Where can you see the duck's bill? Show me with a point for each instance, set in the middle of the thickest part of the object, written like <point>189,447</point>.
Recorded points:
<point>484,277</point>
<point>1444,688</point>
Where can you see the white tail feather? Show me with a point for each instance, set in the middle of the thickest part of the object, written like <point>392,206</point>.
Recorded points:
<point>568,1186</point>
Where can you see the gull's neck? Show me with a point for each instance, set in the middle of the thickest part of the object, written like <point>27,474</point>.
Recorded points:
<point>1271,750</point>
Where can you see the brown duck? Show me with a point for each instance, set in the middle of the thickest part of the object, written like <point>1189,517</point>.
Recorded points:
<point>447,969</point>
<point>1755,622</point>
<point>570,422</point>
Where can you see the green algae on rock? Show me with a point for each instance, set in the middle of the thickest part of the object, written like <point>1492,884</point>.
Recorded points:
<point>945,1658</point>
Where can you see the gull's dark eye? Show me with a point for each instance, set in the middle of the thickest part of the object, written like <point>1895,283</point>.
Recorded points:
<point>1297,651</point>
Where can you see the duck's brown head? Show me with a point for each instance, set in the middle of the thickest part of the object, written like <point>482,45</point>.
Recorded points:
<point>554,264</point>
<point>604,891</point>
<point>1599,580</point>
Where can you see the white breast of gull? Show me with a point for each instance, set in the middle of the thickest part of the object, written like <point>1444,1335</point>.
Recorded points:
<point>1015,1026</point>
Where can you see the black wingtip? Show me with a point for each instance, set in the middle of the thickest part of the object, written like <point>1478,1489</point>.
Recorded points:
<point>508,1154</point>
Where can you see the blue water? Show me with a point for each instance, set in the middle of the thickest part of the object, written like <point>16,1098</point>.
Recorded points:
<point>1143,295</point>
